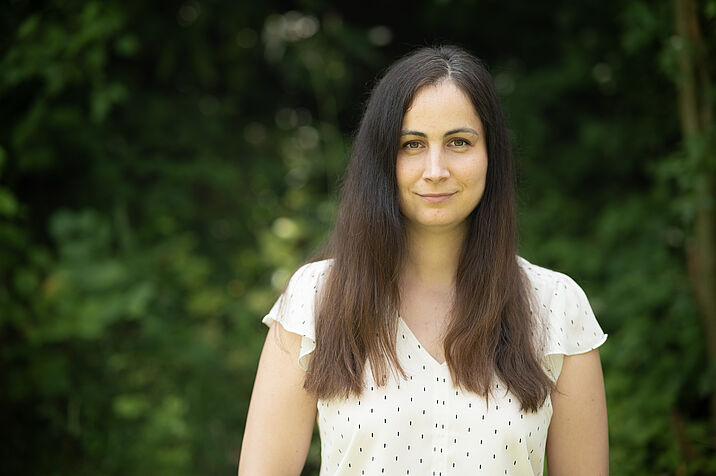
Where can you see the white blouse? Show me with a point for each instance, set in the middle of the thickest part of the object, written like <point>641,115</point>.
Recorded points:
<point>423,425</point>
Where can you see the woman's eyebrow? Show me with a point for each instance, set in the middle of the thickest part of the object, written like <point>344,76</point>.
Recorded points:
<point>413,133</point>
<point>469,130</point>
<point>448,133</point>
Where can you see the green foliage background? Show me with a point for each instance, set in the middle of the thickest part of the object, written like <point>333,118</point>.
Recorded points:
<point>164,166</point>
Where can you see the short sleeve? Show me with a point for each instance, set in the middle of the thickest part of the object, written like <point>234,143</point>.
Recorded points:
<point>570,326</point>
<point>295,308</point>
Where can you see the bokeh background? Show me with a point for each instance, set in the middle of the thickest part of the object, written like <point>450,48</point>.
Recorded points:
<point>165,166</point>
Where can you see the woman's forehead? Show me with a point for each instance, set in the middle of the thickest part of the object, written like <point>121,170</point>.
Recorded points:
<point>440,107</point>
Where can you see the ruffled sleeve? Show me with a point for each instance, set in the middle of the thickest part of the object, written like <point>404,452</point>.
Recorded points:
<point>295,308</point>
<point>570,326</point>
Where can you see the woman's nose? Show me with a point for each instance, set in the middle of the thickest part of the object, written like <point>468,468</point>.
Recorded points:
<point>436,168</point>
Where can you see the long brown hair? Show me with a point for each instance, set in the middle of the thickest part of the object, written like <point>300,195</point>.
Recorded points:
<point>492,330</point>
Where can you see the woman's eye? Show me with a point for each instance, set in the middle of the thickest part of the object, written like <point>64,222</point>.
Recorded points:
<point>459,142</point>
<point>412,145</point>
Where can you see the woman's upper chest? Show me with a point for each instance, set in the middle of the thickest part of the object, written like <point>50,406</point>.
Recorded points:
<point>426,312</point>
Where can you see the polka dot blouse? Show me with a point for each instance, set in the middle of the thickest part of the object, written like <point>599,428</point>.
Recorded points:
<point>423,425</point>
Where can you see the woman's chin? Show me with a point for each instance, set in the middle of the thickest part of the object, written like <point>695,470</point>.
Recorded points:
<point>438,225</point>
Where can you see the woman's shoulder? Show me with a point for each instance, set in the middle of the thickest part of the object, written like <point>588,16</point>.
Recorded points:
<point>309,276</point>
<point>545,277</point>
<point>550,286</point>
<point>306,284</point>
<point>315,269</point>
<point>564,308</point>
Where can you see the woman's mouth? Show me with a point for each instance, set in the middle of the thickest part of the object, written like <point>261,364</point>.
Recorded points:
<point>436,197</point>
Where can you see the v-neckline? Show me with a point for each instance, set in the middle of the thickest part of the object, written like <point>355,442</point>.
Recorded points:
<point>421,347</point>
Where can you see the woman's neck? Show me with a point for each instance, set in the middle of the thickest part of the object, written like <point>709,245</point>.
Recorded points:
<point>432,257</point>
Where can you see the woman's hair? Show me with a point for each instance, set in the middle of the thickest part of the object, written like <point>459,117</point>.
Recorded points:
<point>491,333</point>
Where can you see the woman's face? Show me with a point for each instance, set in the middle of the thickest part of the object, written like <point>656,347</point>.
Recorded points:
<point>442,159</point>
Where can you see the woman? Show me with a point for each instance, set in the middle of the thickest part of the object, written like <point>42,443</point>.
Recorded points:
<point>425,345</point>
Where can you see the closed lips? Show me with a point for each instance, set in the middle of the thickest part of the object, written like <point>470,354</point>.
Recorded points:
<point>436,197</point>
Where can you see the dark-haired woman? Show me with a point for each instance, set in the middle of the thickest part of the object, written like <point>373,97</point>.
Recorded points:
<point>422,344</point>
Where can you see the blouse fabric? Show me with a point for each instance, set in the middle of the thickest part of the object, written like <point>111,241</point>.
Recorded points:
<point>423,424</point>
